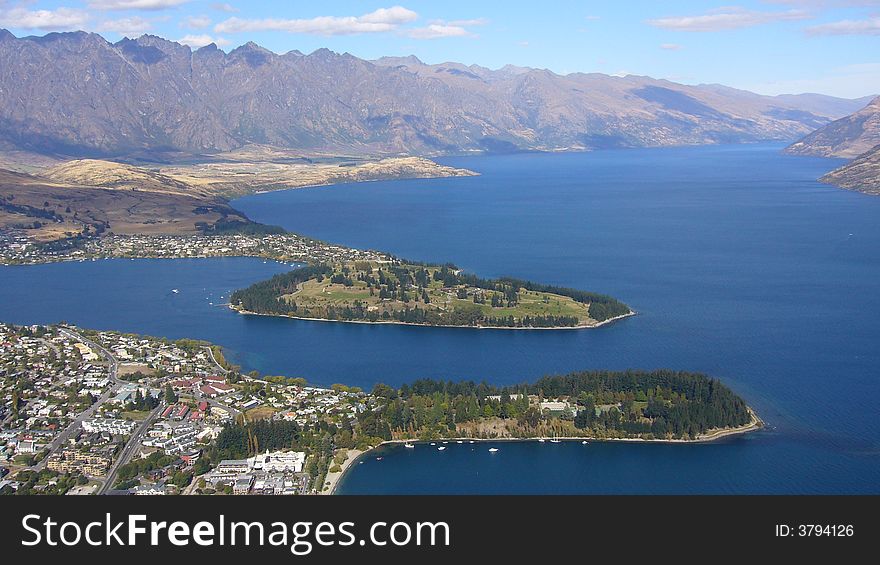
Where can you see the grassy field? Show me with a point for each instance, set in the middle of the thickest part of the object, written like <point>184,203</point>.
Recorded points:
<point>361,286</point>
<point>129,368</point>
<point>260,413</point>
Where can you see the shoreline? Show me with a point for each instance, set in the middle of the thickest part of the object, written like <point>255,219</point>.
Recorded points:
<point>397,323</point>
<point>334,478</point>
<point>755,424</point>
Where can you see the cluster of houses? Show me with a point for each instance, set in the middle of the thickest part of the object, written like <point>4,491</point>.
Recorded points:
<point>59,365</point>
<point>306,404</point>
<point>16,248</point>
<point>112,426</point>
<point>181,428</point>
<point>52,366</point>
<point>209,386</point>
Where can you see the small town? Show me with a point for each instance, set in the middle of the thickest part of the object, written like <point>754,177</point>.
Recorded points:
<point>16,248</point>
<point>87,412</point>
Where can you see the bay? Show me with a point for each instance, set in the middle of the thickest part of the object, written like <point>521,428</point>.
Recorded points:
<point>738,262</point>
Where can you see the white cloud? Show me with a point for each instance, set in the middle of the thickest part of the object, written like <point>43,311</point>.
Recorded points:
<point>869,26</point>
<point>135,4</point>
<point>670,46</point>
<point>224,7</point>
<point>393,15</point>
<point>126,26</point>
<point>725,19</point>
<point>436,31</point>
<point>196,41</point>
<point>59,19</point>
<point>196,22</point>
<point>379,21</point>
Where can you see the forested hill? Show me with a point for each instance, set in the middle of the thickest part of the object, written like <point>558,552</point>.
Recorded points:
<point>423,294</point>
<point>660,404</point>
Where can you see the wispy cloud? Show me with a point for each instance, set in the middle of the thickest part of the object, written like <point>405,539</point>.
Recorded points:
<point>378,21</point>
<point>59,19</point>
<point>462,23</point>
<point>126,26</point>
<point>869,26</point>
<point>196,41</point>
<point>726,19</point>
<point>196,22</point>
<point>135,4</point>
<point>437,31</point>
<point>224,7</point>
<point>670,46</point>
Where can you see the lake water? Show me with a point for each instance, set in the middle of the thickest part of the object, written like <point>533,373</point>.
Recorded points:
<point>738,262</point>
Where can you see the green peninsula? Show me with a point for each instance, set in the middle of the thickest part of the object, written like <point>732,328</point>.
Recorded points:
<point>401,292</point>
<point>662,405</point>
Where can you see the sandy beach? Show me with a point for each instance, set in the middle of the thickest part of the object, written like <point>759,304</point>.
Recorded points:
<point>332,479</point>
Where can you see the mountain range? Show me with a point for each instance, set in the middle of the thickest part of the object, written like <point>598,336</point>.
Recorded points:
<point>847,137</point>
<point>856,136</point>
<point>76,95</point>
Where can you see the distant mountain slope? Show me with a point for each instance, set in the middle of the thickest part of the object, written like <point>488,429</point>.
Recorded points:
<point>107,174</point>
<point>847,137</point>
<point>48,209</point>
<point>76,94</point>
<point>862,174</point>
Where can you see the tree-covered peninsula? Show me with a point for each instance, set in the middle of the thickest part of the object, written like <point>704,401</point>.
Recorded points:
<point>648,405</point>
<point>435,295</point>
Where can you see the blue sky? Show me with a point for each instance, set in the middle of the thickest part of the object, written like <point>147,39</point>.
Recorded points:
<point>768,46</point>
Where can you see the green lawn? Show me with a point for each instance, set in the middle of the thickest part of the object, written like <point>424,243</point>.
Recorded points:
<point>314,295</point>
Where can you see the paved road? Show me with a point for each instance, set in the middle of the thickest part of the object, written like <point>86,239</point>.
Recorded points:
<point>211,401</point>
<point>131,447</point>
<point>214,360</point>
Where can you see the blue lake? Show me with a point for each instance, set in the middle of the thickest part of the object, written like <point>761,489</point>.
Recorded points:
<point>738,262</point>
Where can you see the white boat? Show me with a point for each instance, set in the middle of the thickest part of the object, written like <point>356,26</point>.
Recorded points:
<point>441,448</point>
<point>174,290</point>
<point>432,443</point>
<point>409,445</point>
<point>459,442</point>
<point>555,440</point>
<point>378,458</point>
<point>445,442</point>
<point>542,440</point>
<point>585,442</point>
<point>493,449</point>
<point>471,441</point>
